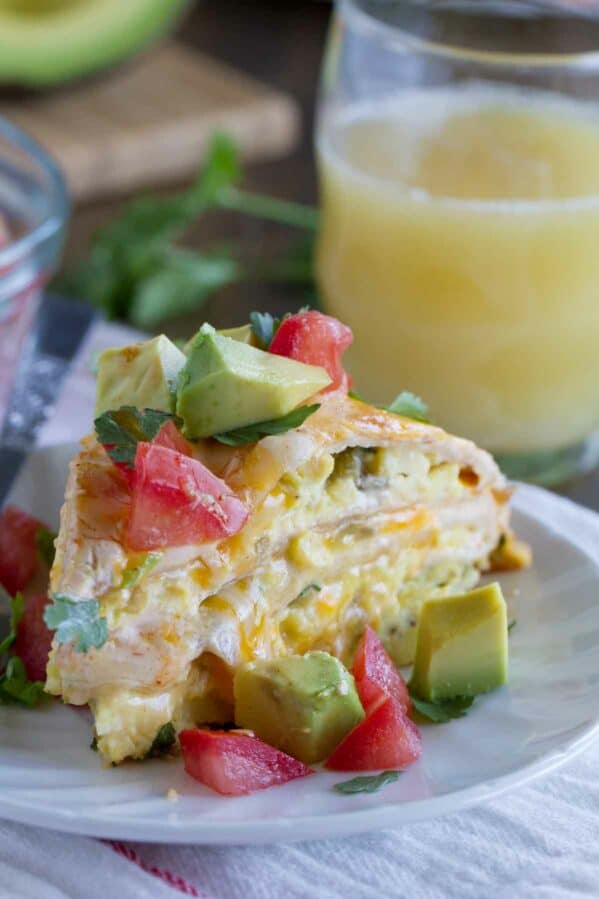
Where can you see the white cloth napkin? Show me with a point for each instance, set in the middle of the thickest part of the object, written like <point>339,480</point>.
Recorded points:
<point>539,842</point>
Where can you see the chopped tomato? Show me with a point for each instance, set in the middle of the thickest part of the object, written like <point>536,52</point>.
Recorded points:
<point>171,437</point>
<point>34,640</point>
<point>376,676</point>
<point>235,764</point>
<point>168,436</point>
<point>18,548</point>
<point>128,473</point>
<point>386,738</point>
<point>315,339</point>
<point>177,501</point>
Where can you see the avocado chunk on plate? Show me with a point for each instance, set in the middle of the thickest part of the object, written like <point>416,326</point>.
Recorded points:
<point>143,375</point>
<point>228,384</point>
<point>461,646</point>
<point>303,705</point>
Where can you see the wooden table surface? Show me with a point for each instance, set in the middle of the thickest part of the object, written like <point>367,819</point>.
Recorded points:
<point>280,42</point>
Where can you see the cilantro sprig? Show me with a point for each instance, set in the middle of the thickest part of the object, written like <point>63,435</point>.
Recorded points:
<point>410,406</point>
<point>138,270</point>
<point>77,621</point>
<point>264,327</point>
<point>17,607</point>
<point>370,783</point>
<point>15,686</point>
<point>442,711</point>
<point>252,433</point>
<point>120,430</point>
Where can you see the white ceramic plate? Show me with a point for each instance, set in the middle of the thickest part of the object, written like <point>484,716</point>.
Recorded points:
<point>550,711</point>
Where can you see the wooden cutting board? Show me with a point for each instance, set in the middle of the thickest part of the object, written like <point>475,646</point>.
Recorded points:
<point>149,122</point>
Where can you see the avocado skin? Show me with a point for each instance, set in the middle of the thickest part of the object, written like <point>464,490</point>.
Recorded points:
<point>45,44</point>
<point>143,375</point>
<point>228,384</point>
<point>303,705</point>
<point>461,645</point>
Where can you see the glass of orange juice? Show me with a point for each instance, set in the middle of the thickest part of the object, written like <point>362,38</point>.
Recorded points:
<point>458,152</point>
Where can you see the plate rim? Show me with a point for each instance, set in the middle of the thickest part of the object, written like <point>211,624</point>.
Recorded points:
<point>277,829</point>
<point>345,823</point>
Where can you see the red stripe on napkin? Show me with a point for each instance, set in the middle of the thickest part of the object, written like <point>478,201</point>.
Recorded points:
<point>173,880</point>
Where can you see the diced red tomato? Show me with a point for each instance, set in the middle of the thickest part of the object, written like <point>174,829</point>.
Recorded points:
<point>18,548</point>
<point>168,436</point>
<point>316,339</point>
<point>171,437</point>
<point>386,738</point>
<point>34,640</point>
<point>177,501</point>
<point>128,473</point>
<point>235,764</point>
<point>376,676</point>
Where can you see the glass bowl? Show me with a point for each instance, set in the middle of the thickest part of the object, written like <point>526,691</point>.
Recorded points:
<point>34,209</point>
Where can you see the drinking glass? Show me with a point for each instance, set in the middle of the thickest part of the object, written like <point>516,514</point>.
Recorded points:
<point>458,153</point>
<point>33,212</point>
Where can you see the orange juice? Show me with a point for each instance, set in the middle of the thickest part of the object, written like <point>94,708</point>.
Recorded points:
<point>460,241</point>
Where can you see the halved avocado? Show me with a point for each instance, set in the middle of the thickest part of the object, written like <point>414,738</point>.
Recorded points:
<point>44,42</point>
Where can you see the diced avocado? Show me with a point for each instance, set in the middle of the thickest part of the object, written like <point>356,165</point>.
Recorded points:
<point>462,645</point>
<point>44,42</point>
<point>142,375</point>
<point>243,334</point>
<point>227,384</point>
<point>304,705</point>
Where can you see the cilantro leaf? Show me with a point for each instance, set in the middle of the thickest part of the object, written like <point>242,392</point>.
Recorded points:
<point>138,271</point>
<point>221,170</point>
<point>15,686</point>
<point>17,607</point>
<point>132,576</point>
<point>371,783</point>
<point>264,328</point>
<point>77,621</point>
<point>252,433</point>
<point>45,546</point>
<point>410,406</point>
<point>178,282</point>
<point>355,396</point>
<point>120,430</point>
<point>163,741</point>
<point>128,255</point>
<point>441,712</point>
